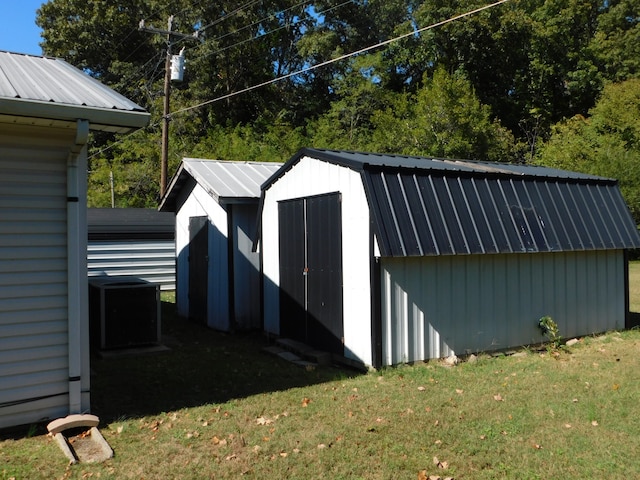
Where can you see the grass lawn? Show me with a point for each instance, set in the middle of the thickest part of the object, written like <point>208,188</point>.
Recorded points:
<point>215,406</point>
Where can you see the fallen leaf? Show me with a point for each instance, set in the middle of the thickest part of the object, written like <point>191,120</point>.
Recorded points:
<point>459,391</point>
<point>575,400</point>
<point>438,442</point>
<point>422,475</point>
<point>498,398</point>
<point>283,454</point>
<point>231,457</point>
<point>439,464</point>
<point>482,437</point>
<point>421,389</point>
<point>120,429</point>
<point>594,423</point>
<point>322,446</point>
<point>264,421</point>
<point>536,446</point>
<point>567,425</point>
<point>615,386</point>
<point>306,401</point>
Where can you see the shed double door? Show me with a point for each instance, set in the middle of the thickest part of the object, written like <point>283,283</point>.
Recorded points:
<point>310,231</point>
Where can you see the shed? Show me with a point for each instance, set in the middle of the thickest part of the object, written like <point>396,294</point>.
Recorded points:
<point>132,242</point>
<point>218,280</point>
<point>389,259</point>
<point>47,108</point>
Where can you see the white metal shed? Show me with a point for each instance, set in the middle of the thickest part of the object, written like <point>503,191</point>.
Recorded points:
<point>47,108</point>
<point>389,259</point>
<point>218,280</point>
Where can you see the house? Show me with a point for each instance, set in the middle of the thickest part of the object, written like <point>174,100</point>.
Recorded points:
<point>47,109</point>
<point>218,281</point>
<point>132,242</point>
<point>388,259</point>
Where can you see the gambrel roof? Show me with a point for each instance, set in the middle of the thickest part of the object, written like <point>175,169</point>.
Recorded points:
<point>427,206</point>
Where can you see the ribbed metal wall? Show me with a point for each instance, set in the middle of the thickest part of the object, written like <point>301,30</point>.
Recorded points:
<point>150,260</point>
<point>439,306</point>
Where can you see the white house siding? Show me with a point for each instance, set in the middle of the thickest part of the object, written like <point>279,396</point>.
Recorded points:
<point>312,177</point>
<point>200,204</point>
<point>150,260</point>
<point>33,274</point>
<point>438,306</point>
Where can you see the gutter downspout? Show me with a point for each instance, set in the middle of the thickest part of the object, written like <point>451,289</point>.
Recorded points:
<point>77,294</point>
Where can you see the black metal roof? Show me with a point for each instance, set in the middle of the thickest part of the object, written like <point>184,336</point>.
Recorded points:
<point>129,224</point>
<point>426,206</point>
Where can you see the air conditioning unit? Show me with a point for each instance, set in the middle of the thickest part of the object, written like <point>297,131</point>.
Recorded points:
<point>123,312</point>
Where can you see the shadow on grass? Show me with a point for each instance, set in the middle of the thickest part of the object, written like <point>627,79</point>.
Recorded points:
<point>202,367</point>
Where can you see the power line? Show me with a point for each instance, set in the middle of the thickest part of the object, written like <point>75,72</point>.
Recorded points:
<point>311,68</point>
<point>228,47</point>
<point>342,57</point>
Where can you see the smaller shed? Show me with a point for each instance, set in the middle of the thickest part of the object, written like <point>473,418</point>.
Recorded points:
<point>218,276</point>
<point>388,259</point>
<point>132,242</point>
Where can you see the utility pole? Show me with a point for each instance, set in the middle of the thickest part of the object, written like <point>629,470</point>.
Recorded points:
<point>164,155</point>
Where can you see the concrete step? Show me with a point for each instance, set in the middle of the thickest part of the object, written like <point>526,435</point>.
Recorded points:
<point>305,351</point>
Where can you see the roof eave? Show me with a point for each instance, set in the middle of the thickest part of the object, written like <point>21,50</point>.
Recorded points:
<point>99,118</point>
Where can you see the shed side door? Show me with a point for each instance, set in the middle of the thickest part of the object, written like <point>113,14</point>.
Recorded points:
<point>291,225</point>
<point>198,268</point>
<point>324,272</point>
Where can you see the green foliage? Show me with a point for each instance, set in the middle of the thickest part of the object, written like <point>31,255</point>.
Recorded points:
<point>484,87</point>
<point>549,329</point>
<point>606,143</point>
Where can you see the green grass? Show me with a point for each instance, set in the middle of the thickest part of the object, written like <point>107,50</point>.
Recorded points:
<point>216,407</point>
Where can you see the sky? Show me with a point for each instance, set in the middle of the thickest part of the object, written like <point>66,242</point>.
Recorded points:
<point>18,30</point>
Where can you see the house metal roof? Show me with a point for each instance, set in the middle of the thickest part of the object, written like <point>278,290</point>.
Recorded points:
<point>225,181</point>
<point>425,206</point>
<point>50,88</point>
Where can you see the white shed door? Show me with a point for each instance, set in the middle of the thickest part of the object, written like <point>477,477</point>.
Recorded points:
<point>33,274</point>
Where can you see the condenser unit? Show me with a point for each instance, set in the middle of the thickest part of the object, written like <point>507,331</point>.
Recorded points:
<point>124,312</point>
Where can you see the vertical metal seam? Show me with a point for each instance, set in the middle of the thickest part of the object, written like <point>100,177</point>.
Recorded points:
<point>444,220</point>
<point>473,222</point>
<point>393,214</point>
<point>411,219</point>
<point>426,216</point>
<point>486,219</point>
<point>456,215</point>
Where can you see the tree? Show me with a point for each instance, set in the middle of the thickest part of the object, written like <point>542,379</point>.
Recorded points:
<point>605,143</point>
<point>443,119</point>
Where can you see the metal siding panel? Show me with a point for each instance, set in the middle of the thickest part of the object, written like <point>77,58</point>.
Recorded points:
<point>152,261</point>
<point>468,304</point>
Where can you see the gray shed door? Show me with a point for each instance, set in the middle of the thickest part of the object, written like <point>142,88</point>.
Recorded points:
<point>311,271</point>
<point>198,268</point>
